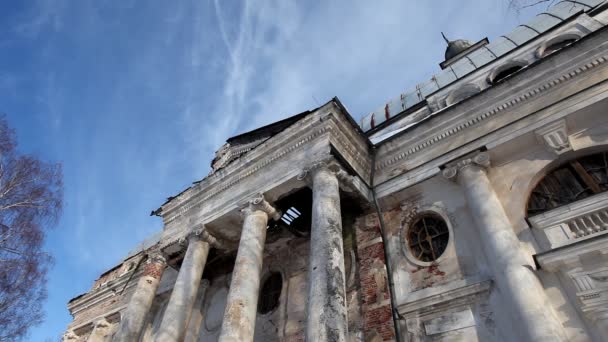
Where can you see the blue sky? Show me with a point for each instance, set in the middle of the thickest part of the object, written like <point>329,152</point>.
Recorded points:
<point>133,97</point>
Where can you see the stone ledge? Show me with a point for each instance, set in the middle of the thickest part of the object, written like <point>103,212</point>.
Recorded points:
<point>425,299</point>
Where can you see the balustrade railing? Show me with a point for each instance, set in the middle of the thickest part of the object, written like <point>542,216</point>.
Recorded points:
<point>572,222</point>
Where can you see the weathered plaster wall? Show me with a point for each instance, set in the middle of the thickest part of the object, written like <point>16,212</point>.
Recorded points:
<point>452,297</point>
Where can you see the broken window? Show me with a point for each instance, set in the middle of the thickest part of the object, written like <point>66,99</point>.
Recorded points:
<point>570,182</point>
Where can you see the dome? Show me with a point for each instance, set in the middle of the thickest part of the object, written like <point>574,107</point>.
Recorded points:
<point>455,47</point>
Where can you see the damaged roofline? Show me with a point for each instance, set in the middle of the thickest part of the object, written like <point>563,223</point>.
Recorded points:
<point>335,100</point>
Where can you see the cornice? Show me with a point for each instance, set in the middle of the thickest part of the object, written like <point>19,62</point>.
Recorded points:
<point>191,201</point>
<point>103,293</point>
<point>470,123</point>
<point>481,159</point>
<point>259,203</point>
<point>427,300</point>
<point>569,256</point>
<point>259,158</point>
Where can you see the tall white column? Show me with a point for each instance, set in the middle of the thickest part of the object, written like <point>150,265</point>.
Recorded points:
<point>175,319</point>
<point>327,311</point>
<point>519,286</point>
<point>133,319</point>
<point>241,305</point>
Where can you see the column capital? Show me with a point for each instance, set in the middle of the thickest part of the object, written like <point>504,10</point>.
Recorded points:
<point>101,323</point>
<point>259,202</point>
<point>156,256</point>
<point>69,336</point>
<point>480,159</point>
<point>200,232</point>
<point>330,165</point>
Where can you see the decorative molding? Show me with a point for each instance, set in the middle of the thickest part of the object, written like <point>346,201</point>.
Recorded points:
<point>102,293</point>
<point>480,159</point>
<point>259,203</point>
<point>513,101</point>
<point>199,232</point>
<point>433,298</point>
<point>592,291</point>
<point>346,181</point>
<point>156,257</point>
<point>341,134</point>
<point>578,220</point>
<point>571,256</point>
<point>101,323</point>
<point>555,137</point>
<point>246,173</point>
<point>410,211</point>
<point>69,336</point>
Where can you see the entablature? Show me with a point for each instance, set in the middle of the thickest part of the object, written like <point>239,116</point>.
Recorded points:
<point>547,91</point>
<point>271,168</point>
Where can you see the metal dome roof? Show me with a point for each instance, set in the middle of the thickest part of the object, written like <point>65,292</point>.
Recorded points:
<point>455,47</point>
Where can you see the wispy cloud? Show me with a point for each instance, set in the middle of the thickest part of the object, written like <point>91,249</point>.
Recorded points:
<point>135,97</point>
<point>42,16</point>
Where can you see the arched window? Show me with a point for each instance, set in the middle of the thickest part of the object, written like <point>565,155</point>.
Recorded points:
<point>462,93</point>
<point>270,293</point>
<point>557,43</point>
<point>570,182</point>
<point>505,71</point>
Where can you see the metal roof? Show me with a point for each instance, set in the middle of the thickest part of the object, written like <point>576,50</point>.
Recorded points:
<point>476,59</point>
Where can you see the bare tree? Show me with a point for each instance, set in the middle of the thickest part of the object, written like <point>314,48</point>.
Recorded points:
<point>31,193</point>
<point>521,4</point>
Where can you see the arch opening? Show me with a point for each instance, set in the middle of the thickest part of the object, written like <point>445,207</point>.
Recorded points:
<point>570,182</point>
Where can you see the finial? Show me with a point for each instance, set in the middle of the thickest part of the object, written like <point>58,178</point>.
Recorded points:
<point>445,38</point>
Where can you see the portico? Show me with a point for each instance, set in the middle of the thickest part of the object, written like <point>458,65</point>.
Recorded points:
<point>230,218</point>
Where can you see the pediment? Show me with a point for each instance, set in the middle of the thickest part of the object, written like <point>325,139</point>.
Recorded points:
<point>271,166</point>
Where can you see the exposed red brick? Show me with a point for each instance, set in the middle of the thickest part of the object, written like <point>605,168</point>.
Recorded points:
<point>154,269</point>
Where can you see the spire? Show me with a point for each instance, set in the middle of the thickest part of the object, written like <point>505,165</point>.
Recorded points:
<point>455,46</point>
<point>445,38</point>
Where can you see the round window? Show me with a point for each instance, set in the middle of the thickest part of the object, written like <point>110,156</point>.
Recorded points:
<point>270,293</point>
<point>427,237</point>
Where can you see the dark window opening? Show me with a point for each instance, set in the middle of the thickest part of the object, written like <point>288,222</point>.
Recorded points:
<point>218,263</point>
<point>506,73</point>
<point>570,182</point>
<point>270,293</point>
<point>428,237</point>
<point>558,46</point>
<point>297,212</point>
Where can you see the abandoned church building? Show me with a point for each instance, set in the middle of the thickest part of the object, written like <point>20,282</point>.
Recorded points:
<point>473,207</point>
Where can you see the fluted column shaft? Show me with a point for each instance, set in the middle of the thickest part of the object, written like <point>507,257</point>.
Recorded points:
<point>519,286</point>
<point>327,312</point>
<point>175,318</point>
<point>241,305</point>
<point>133,319</point>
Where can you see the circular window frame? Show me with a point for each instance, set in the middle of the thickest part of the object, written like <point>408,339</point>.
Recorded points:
<point>406,224</point>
